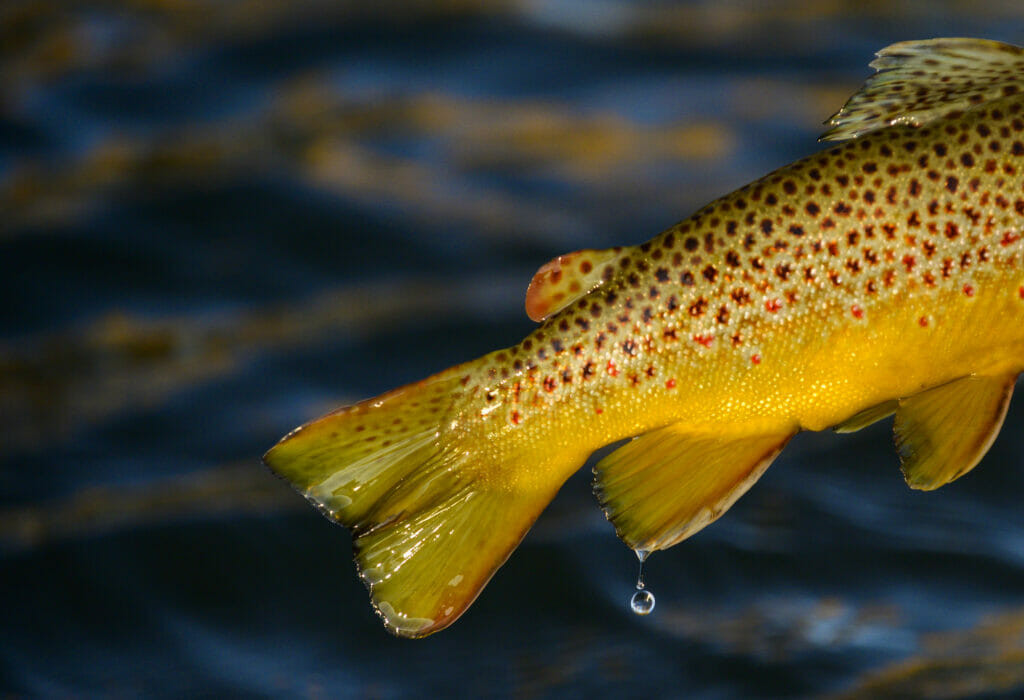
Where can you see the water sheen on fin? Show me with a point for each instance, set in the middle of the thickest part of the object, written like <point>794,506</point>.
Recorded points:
<point>868,416</point>
<point>667,484</point>
<point>920,81</point>
<point>428,530</point>
<point>942,433</point>
<point>568,277</point>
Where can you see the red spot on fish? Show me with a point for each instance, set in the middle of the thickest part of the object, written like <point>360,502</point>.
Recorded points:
<point>1020,292</point>
<point>670,384</point>
<point>516,417</point>
<point>857,311</point>
<point>772,305</point>
<point>755,359</point>
<point>923,322</point>
<point>704,340</point>
<point>1009,238</point>
<point>612,369</point>
<point>598,411</point>
<point>968,290</point>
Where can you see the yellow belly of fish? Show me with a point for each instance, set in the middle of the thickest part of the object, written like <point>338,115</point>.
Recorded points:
<point>807,378</point>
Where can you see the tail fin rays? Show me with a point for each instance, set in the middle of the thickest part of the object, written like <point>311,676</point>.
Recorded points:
<point>431,521</point>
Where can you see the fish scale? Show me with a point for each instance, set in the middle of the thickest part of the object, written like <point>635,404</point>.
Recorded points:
<point>882,275</point>
<point>927,218</point>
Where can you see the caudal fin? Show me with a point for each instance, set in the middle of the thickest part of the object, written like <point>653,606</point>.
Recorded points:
<point>432,516</point>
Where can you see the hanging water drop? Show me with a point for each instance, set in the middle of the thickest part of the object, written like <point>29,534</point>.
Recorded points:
<point>642,601</point>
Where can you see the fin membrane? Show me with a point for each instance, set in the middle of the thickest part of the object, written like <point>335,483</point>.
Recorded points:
<point>942,433</point>
<point>920,81</point>
<point>431,521</point>
<point>567,278</point>
<point>869,416</point>
<point>667,484</point>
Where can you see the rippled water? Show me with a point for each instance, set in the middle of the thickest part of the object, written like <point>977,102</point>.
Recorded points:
<point>219,219</point>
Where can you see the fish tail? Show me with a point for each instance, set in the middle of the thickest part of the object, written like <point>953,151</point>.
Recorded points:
<point>433,513</point>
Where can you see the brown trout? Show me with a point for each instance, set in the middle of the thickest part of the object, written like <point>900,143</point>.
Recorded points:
<point>884,275</point>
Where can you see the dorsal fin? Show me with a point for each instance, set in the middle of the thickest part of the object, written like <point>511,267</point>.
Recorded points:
<point>566,278</point>
<point>920,81</point>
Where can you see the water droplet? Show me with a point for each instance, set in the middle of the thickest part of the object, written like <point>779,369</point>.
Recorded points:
<point>642,602</point>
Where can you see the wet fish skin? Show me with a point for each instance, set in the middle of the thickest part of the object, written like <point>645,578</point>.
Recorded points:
<point>882,275</point>
<point>864,273</point>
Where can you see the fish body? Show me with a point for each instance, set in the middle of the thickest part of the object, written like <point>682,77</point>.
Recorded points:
<point>882,275</point>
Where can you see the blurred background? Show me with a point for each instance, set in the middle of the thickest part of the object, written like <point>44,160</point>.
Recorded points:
<point>219,219</point>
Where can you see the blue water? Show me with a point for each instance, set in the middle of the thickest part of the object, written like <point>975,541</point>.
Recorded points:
<point>218,222</point>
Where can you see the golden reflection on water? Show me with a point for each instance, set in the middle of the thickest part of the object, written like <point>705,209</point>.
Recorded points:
<point>54,384</point>
<point>986,658</point>
<point>326,140</point>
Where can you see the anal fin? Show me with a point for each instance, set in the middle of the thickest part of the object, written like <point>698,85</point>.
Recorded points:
<point>942,433</point>
<point>667,484</point>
